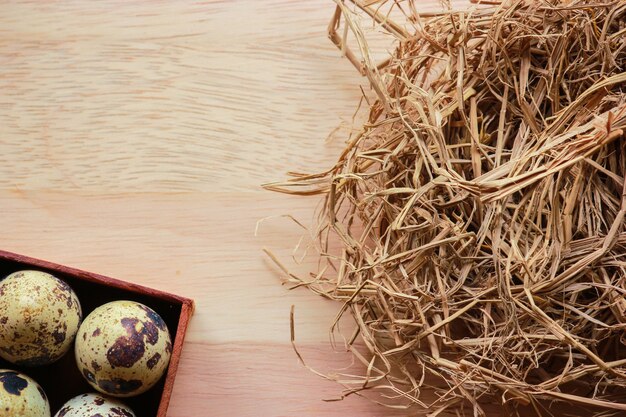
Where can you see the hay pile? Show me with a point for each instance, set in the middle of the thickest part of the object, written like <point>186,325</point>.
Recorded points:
<point>480,211</point>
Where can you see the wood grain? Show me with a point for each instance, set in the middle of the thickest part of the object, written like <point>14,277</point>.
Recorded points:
<point>134,137</point>
<point>167,96</point>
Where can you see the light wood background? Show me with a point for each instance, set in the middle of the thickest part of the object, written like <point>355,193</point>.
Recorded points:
<point>134,137</point>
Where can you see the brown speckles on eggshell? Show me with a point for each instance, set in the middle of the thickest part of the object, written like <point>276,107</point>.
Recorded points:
<point>154,317</point>
<point>64,293</point>
<point>151,332</point>
<point>39,327</point>
<point>59,336</point>
<point>129,347</point>
<point>118,386</point>
<point>153,360</point>
<point>94,405</point>
<point>12,382</point>
<point>21,396</point>
<point>89,376</point>
<point>40,360</point>
<point>42,393</point>
<point>63,411</point>
<point>121,412</point>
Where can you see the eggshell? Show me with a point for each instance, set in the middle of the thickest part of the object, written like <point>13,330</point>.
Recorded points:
<point>39,318</point>
<point>91,405</point>
<point>123,348</point>
<point>21,396</point>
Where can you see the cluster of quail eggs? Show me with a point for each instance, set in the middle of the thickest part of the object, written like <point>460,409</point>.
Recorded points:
<point>122,348</point>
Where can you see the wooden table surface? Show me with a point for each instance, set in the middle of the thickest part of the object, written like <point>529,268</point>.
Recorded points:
<point>134,137</point>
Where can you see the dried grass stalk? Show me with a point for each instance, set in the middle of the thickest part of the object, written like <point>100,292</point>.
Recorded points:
<point>480,211</point>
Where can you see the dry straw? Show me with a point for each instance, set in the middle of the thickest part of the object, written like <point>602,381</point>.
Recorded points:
<point>480,210</point>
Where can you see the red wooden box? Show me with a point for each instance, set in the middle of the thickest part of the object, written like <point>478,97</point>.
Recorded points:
<point>62,379</point>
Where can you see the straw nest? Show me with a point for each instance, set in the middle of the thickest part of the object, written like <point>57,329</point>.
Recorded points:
<point>480,210</point>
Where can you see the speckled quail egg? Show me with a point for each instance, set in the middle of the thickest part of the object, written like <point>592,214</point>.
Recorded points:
<point>92,405</point>
<point>123,348</point>
<point>21,396</point>
<point>39,318</point>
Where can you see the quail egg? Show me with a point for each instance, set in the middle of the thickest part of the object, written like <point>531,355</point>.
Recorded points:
<point>91,405</point>
<point>39,317</point>
<point>123,348</point>
<point>21,396</point>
